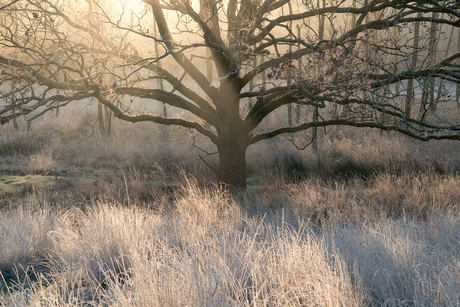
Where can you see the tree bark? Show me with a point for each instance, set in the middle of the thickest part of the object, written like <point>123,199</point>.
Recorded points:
<point>413,65</point>
<point>232,161</point>
<point>233,136</point>
<point>299,69</point>
<point>15,124</point>
<point>314,130</point>
<point>100,119</point>
<point>289,70</point>
<point>428,103</point>
<point>457,98</point>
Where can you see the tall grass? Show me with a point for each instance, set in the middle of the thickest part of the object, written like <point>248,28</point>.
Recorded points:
<point>24,237</point>
<point>369,221</point>
<point>403,262</point>
<point>206,250</point>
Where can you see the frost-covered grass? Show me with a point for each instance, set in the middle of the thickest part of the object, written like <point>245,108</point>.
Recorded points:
<point>206,250</point>
<point>372,220</point>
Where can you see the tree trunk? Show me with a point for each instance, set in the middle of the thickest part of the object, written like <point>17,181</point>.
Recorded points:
<point>264,73</point>
<point>289,70</point>
<point>314,135</point>
<point>314,131</point>
<point>100,119</point>
<point>209,71</point>
<point>428,103</point>
<point>57,104</point>
<point>413,65</point>
<point>108,119</point>
<point>232,162</point>
<point>434,39</point>
<point>233,136</point>
<point>15,124</point>
<point>457,98</point>
<point>299,69</point>
<point>252,82</point>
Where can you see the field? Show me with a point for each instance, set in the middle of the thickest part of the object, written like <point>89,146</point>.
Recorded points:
<point>134,219</point>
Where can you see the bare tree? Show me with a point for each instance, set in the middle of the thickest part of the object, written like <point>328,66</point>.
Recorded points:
<point>413,66</point>
<point>457,99</point>
<point>314,132</point>
<point>49,45</point>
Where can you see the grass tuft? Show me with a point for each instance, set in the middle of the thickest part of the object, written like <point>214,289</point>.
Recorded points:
<point>369,220</point>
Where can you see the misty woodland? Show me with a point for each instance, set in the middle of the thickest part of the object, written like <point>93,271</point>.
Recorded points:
<point>229,153</point>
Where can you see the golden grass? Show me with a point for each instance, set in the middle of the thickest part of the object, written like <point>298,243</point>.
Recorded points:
<point>207,251</point>
<point>369,221</point>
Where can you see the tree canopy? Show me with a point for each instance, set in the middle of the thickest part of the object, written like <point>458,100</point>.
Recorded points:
<point>230,65</point>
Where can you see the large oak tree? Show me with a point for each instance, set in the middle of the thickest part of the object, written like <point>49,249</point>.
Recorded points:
<point>351,60</point>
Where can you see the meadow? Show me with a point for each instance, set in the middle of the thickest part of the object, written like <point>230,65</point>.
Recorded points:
<point>135,219</point>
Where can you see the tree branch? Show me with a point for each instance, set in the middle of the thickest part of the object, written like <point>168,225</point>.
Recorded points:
<point>156,119</point>
<point>180,57</point>
<point>168,98</point>
<point>345,122</point>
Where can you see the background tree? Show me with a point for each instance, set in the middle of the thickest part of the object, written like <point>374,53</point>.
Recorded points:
<point>413,66</point>
<point>458,84</point>
<point>343,72</point>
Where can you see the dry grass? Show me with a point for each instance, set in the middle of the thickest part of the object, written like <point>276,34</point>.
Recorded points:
<point>369,221</point>
<point>208,252</point>
<point>24,237</point>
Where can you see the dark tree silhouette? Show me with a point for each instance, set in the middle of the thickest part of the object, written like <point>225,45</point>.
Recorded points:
<point>347,69</point>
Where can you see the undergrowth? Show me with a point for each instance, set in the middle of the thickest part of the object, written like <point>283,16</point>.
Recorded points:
<point>368,220</point>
